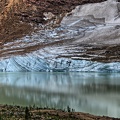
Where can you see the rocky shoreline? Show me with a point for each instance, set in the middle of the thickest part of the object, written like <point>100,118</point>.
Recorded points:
<point>9,112</point>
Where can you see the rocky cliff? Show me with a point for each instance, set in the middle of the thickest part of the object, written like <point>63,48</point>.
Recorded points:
<point>60,35</point>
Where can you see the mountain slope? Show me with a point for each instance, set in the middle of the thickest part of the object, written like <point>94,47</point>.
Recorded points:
<point>17,17</point>
<point>85,38</point>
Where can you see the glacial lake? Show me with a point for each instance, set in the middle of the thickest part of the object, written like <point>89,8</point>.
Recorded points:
<point>95,93</point>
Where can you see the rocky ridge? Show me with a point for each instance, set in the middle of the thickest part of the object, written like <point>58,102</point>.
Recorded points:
<point>84,39</point>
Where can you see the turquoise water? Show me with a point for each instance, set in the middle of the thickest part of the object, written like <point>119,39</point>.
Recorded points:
<point>95,93</point>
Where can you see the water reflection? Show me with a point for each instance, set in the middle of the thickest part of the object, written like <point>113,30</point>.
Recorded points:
<point>96,93</point>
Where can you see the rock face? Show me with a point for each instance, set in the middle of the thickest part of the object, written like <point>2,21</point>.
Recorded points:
<point>85,39</point>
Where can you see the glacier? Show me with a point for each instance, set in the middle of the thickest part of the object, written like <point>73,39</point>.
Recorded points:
<point>35,63</point>
<point>70,47</point>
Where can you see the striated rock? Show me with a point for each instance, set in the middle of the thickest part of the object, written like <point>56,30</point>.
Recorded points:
<point>87,39</point>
